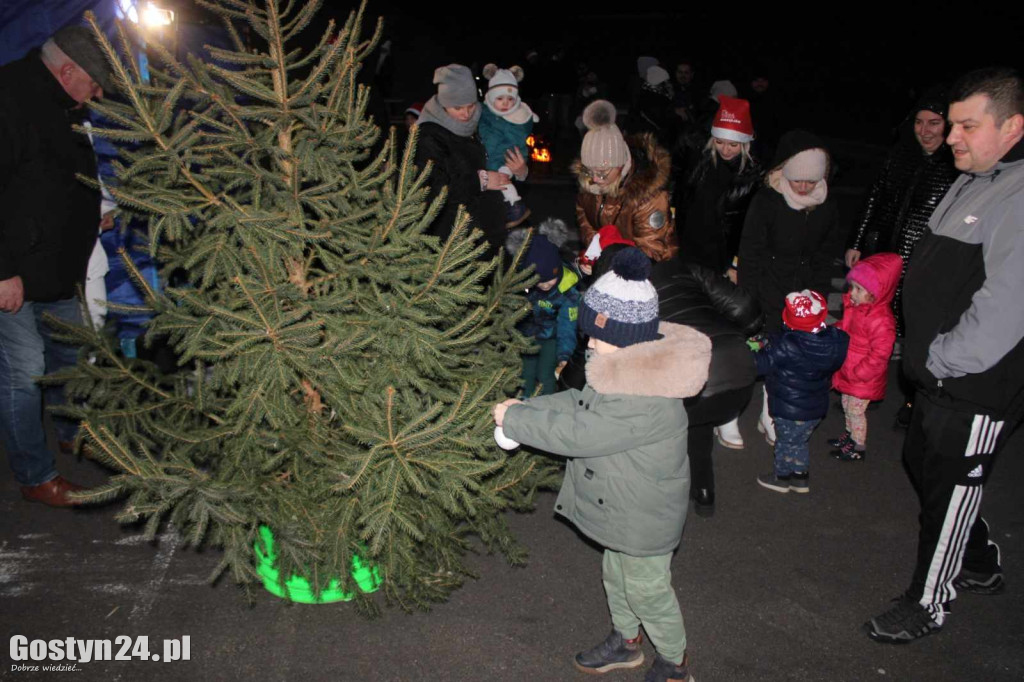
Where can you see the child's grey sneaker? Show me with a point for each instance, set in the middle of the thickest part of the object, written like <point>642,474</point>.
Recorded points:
<point>798,483</point>
<point>665,670</point>
<point>614,653</point>
<point>906,621</point>
<point>780,484</point>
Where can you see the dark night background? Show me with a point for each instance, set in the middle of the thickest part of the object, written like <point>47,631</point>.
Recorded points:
<point>850,72</point>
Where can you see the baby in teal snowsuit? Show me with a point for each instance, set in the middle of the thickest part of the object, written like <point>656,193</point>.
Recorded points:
<point>505,123</point>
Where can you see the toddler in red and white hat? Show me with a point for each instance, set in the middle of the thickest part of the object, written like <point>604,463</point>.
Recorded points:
<point>797,365</point>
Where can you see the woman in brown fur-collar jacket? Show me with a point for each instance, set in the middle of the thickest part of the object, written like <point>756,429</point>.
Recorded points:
<point>624,183</point>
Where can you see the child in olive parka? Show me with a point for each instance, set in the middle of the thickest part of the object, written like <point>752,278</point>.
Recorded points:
<point>627,476</point>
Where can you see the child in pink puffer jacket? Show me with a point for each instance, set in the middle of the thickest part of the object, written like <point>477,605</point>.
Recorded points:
<point>869,320</point>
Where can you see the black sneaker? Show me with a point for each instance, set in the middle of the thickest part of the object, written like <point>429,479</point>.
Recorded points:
<point>906,621</point>
<point>798,482</point>
<point>841,441</point>
<point>665,670</point>
<point>848,452</point>
<point>614,653</point>
<point>979,583</point>
<point>984,575</point>
<point>779,484</point>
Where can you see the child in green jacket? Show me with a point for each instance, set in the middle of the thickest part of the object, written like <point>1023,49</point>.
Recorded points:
<point>627,477</point>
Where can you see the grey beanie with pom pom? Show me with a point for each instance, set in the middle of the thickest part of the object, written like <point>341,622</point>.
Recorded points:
<point>603,145</point>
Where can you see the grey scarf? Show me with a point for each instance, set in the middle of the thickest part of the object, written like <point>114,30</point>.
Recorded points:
<point>433,112</point>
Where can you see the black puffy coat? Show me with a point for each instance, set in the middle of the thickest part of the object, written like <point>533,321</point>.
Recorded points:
<point>902,199</point>
<point>798,369</point>
<point>456,161</point>
<point>716,199</point>
<point>700,298</point>
<point>784,249</point>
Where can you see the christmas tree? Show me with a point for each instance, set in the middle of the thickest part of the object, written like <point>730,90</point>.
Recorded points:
<point>337,363</point>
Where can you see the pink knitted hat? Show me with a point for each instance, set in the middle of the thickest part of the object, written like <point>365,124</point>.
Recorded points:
<point>866,276</point>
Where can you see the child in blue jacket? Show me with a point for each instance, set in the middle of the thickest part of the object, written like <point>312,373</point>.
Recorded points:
<point>554,302</point>
<point>798,365</point>
<point>505,123</point>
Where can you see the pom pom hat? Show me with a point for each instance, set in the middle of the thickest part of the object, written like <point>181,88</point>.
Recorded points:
<point>733,122</point>
<point>502,82</point>
<point>603,145</point>
<point>544,257</point>
<point>805,311</point>
<point>621,308</point>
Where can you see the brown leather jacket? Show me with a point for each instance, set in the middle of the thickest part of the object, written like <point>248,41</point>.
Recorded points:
<point>640,208</point>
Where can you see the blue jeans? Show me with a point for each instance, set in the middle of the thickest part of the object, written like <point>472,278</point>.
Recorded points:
<point>792,456</point>
<point>27,351</point>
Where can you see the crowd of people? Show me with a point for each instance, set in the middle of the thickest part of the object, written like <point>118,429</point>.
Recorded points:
<point>931,275</point>
<point>699,267</point>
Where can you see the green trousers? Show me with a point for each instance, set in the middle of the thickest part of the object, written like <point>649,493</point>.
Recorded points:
<point>639,591</point>
<point>540,367</point>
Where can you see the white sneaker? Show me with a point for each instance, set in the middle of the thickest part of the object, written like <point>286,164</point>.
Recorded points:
<point>765,423</point>
<point>729,435</point>
<point>768,429</point>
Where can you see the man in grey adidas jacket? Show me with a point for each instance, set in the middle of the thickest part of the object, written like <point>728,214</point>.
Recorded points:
<point>964,351</point>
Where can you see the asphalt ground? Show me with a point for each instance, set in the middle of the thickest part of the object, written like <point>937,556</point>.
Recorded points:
<point>773,587</point>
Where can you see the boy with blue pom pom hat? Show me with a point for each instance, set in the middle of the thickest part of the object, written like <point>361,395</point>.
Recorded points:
<point>554,307</point>
<point>627,478</point>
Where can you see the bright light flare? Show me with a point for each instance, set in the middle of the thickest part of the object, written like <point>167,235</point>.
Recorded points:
<point>154,17</point>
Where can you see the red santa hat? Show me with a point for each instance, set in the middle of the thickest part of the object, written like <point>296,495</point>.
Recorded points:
<point>603,238</point>
<point>733,122</point>
<point>805,311</point>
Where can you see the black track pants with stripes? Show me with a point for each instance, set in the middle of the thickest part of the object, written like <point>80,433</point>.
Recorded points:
<point>949,456</point>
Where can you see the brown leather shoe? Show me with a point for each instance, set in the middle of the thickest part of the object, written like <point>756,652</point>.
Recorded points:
<point>53,493</point>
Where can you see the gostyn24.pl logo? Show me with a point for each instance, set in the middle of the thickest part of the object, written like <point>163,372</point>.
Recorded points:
<point>123,648</point>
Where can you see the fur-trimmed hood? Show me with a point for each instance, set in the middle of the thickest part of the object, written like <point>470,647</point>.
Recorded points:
<point>652,167</point>
<point>675,366</point>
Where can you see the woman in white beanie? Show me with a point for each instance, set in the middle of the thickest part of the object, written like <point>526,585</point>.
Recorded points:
<point>448,139</point>
<point>791,233</point>
<point>624,183</point>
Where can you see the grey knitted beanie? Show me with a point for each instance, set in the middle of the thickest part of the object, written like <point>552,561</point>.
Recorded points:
<point>455,85</point>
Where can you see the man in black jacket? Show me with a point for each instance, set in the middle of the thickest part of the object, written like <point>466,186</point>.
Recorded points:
<point>48,230</point>
<point>964,352</point>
